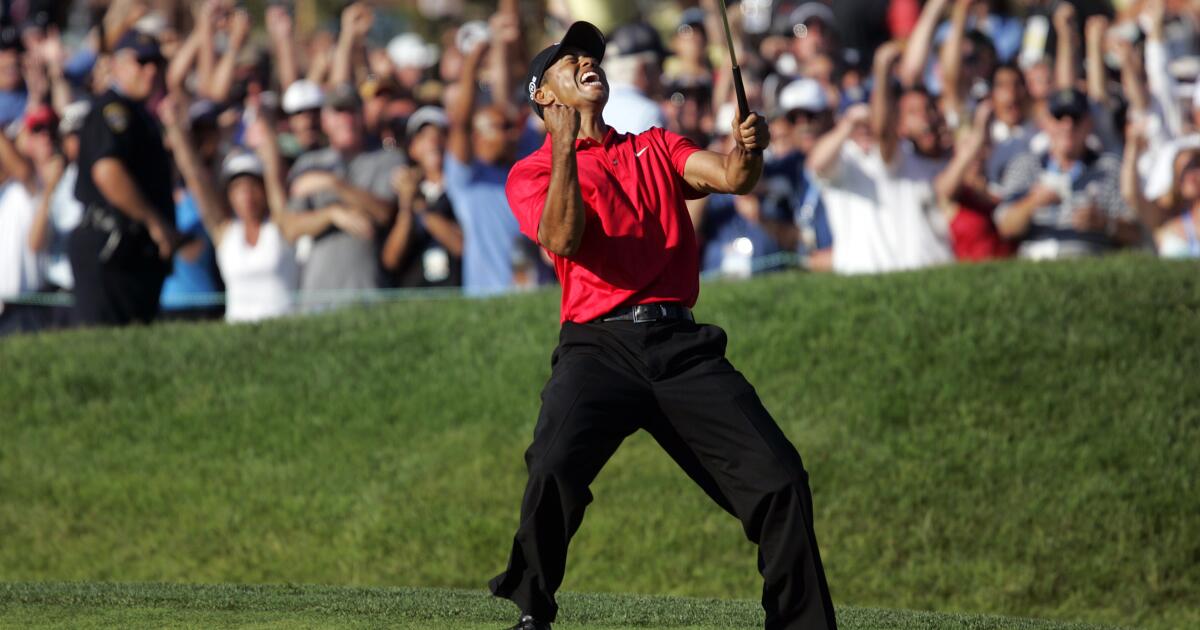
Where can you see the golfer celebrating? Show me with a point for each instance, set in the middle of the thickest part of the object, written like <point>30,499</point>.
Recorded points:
<point>610,210</point>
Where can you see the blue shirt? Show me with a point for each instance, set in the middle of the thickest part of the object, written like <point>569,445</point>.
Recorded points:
<point>722,226</point>
<point>12,106</point>
<point>490,232</point>
<point>189,278</point>
<point>792,194</point>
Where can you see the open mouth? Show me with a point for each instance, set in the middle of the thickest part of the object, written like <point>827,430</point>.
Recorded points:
<point>588,78</point>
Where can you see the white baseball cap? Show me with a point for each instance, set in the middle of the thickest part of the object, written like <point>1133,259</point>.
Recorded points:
<point>408,50</point>
<point>302,95</point>
<point>805,94</point>
<point>426,115</point>
<point>239,163</point>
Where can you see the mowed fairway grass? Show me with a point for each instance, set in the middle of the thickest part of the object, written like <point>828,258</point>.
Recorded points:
<point>1012,439</point>
<point>84,606</point>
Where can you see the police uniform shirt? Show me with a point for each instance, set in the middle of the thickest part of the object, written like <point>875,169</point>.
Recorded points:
<point>121,128</point>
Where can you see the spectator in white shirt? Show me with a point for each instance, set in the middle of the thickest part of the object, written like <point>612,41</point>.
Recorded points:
<point>250,227</point>
<point>59,212</point>
<point>24,165</point>
<point>879,196</point>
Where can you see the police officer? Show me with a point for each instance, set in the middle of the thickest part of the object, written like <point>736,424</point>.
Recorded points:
<point>121,251</point>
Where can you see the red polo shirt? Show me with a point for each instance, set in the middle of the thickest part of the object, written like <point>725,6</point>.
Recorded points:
<point>638,245</point>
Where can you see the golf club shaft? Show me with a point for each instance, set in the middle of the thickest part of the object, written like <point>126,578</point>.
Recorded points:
<point>738,87</point>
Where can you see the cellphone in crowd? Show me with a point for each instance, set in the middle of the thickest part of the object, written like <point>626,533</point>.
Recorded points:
<point>1060,183</point>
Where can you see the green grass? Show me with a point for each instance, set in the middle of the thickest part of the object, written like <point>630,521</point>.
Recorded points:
<point>81,606</point>
<point>1015,439</point>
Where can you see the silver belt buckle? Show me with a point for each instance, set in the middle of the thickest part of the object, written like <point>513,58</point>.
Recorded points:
<point>643,313</point>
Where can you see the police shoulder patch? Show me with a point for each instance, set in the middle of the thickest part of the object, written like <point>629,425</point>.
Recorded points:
<point>117,117</point>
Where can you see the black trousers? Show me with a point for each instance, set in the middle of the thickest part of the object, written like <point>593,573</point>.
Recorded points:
<point>672,379</point>
<point>121,290</point>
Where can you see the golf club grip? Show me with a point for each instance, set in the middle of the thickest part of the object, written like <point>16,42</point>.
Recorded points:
<point>743,104</point>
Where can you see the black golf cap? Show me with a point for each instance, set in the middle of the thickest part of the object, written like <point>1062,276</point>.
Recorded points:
<point>143,45</point>
<point>1071,103</point>
<point>582,35</point>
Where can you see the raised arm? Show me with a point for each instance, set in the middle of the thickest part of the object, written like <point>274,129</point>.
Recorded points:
<point>356,22</point>
<point>1159,79</point>
<point>1150,213</point>
<point>222,80</point>
<point>824,156</point>
<point>293,225</point>
<point>1066,72</point>
<point>563,218</point>
<point>283,45</point>
<point>1132,85</point>
<point>505,27</point>
<point>182,63</point>
<point>120,16</point>
<point>952,57</point>
<point>206,56</point>
<point>969,147</point>
<point>883,115</point>
<point>736,172</point>
<point>920,44</point>
<point>213,212</point>
<point>1094,30</point>
<point>54,58</point>
<point>14,165</point>
<point>460,107</point>
<point>41,234</point>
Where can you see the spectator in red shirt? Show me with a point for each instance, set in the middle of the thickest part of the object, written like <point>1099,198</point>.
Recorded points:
<point>609,210</point>
<point>962,191</point>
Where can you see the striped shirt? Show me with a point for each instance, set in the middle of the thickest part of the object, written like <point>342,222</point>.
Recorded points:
<point>1094,179</point>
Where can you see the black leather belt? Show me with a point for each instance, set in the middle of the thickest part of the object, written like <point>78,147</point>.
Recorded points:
<point>642,313</point>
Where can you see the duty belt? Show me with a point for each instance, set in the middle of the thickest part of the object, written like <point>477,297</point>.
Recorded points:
<point>642,313</point>
<point>109,221</point>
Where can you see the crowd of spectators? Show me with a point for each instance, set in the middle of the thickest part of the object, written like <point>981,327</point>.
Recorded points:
<point>370,150</point>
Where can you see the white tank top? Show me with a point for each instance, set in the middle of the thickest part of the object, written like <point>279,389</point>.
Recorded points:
<point>260,280</point>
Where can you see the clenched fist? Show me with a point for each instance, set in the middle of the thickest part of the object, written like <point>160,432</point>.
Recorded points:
<point>562,122</point>
<point>752,133</point>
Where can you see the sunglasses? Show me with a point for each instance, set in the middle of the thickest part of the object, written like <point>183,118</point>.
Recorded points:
<point>148,61</point>
<point>39,128</point>
<point>1074,116</point>
<point>797,115</point>
<point>489,127</point>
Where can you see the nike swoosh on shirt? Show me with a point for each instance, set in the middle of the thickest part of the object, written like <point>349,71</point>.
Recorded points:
<point>639,153</point>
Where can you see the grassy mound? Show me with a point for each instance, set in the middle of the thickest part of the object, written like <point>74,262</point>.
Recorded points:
<point>1016,439</point>
<point>80,606</point>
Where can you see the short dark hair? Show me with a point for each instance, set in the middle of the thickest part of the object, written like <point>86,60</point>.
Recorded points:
<point>919,88</point>
<point>1006,65</point>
